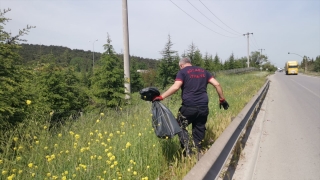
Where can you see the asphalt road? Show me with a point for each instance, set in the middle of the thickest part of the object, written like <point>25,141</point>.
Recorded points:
<point>285,139</point>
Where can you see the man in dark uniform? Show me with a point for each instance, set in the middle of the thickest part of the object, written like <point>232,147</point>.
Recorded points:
<point>193,82</point>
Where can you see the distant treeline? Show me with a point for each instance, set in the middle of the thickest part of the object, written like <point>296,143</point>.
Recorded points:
<point>33,54</point>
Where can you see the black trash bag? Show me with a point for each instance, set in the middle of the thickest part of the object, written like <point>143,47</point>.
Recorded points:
<point>164,123</point>
<point>149,93</point>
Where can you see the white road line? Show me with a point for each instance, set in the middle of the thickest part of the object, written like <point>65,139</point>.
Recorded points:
<point>306,88</point>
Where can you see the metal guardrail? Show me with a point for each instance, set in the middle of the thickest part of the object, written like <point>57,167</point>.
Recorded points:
<point>213,162</point>
<point>238,70</point>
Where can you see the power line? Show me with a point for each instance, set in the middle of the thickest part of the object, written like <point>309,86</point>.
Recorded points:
<point>255,45</point>
<point>255,40</point>
<point>218,18</point>
<point>209,18</point>
<point>198,21</point>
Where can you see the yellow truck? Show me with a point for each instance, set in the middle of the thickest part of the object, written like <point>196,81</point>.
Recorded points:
<point>291,67</point>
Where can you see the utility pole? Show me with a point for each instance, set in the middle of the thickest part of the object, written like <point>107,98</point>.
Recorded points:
<point>261,51</point>
<point>126,49</point>
<point>248,47</point>
<point>93,53</point>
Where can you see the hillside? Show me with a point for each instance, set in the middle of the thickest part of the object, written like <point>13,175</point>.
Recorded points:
<point>34,53</point>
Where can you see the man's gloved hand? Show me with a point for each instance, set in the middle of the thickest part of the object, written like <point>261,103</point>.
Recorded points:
<point>157,98</point>
<point>224,103</point>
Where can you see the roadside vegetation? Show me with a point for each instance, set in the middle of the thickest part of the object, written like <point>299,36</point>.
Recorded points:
<point>114,144</point>
<point>63,118</point>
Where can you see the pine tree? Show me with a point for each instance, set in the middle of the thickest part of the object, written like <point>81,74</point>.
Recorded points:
<point>108,80</point>
<point>231,61</point>
<point>136,79</point>
<point>168,66</point>
<point>217,64</point>
<point>208,62</point>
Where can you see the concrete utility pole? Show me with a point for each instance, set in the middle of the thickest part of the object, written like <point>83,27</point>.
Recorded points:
<point>93,53</point>
<point>248,48</point>
<point>126,49</point>
<point>261,51</point>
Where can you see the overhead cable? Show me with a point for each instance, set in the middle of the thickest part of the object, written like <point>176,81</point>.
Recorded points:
<point>255,40</point>
<point>218,18</point>
<point>210,19</point>
<point>200,22</point>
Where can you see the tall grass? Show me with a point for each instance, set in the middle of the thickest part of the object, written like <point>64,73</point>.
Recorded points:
<point>114,144</point>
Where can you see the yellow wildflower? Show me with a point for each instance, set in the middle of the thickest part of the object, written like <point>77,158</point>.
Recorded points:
<point>128,145</point>
<point>33,174</point>
<point>48,174</point>
<point>15,139</point>
<point>71,133</point>
<point>30,165</point>
<point>37,142</point>
<point>98,120</point>
<point>139,134</point>
<point>45,148</point>
<point>11,177</point>
<point>77,136</point>
<point>28,102</point>
<point>20,171</point>
<point>4,172</point>
<point>1,161</point>
<point>59,135</point>
<point>135,173</point>
<point>101,114</point>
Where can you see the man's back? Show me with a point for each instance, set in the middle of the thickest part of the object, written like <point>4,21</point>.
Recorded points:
<point>194,87</point>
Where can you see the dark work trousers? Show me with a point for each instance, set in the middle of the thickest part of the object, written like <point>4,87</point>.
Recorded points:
<point>197,116</point>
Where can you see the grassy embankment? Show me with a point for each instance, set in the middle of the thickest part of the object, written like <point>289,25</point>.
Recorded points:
<point>115,145</point>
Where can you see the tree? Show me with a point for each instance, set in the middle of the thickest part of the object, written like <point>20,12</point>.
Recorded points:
<point>257,59</point>
<point>197,59</point>
<point>136,79</point>
<point>13,107</point>
<point>59,89</point>
<point>108,80</point>
<point>317,64</point>
<point>208,62</point>
<point>216,63</point>
<point>168,66</point>
<point>231,62</point>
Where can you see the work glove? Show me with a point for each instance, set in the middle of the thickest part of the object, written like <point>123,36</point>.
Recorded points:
<point>224,104</point>
<point>157,98</point>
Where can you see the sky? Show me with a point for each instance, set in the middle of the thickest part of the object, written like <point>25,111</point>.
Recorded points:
<point>213,26</point>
